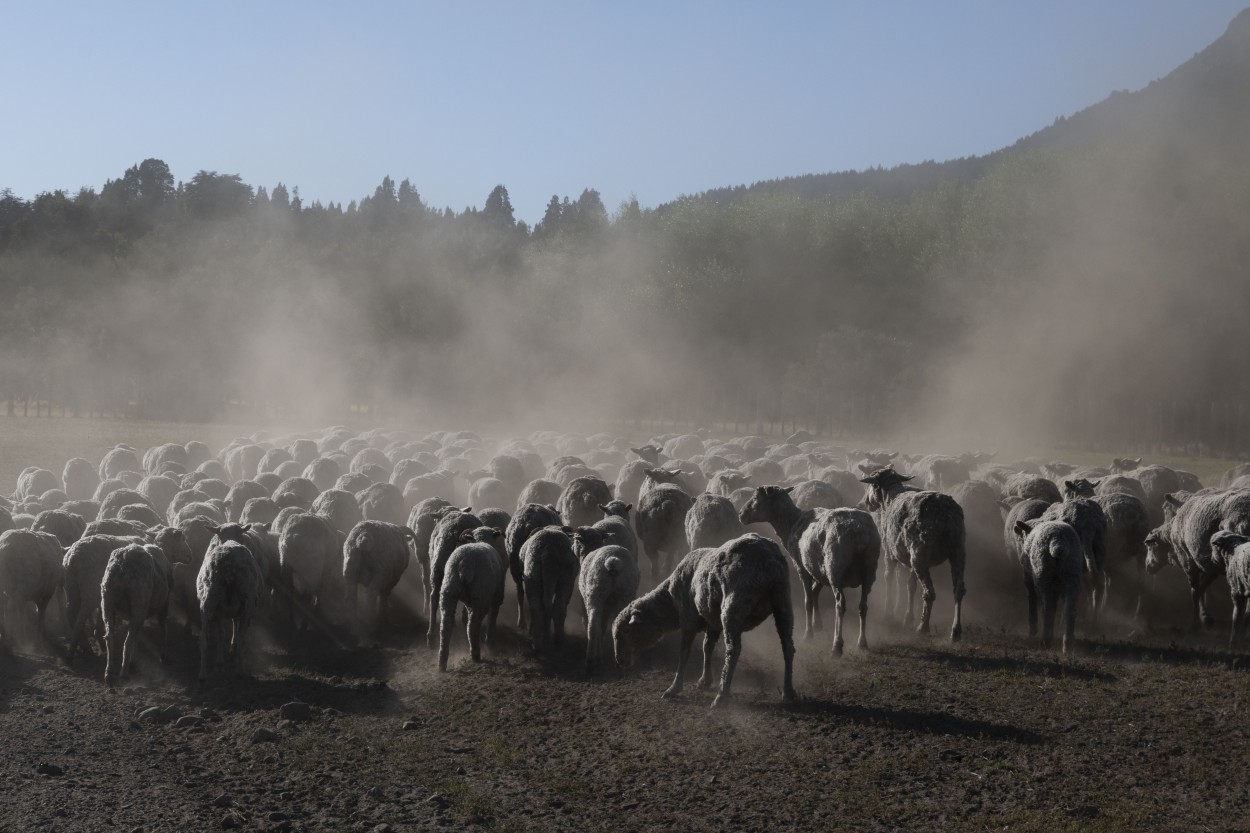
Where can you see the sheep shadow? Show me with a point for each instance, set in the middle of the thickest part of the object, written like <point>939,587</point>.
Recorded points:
<point>957,661</point>
<point>16,670</point>
<point>909,720</point>
<point>1172,654</point>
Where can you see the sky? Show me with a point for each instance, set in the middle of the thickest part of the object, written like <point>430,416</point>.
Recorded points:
<point>645,99</point>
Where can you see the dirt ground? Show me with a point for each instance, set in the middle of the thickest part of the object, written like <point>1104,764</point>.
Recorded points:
<point>1139,730</point>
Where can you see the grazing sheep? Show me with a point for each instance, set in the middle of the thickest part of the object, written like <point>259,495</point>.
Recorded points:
<point>229,587</point>
<point>920,530</point>
<point>661,522</point>
<point>1185,540</point>
<point>527,520</point>
<point>375,556</point>
<point>79,478</point>
<point>443,540</point>
<point>549,572</point>
<point>84,564</point>
<point>310,564</point>
<point>608,581</point>
<point>1231,551</point>
<point>1052,558</point>
<point>474,577</point>
<point>30,571</point>
<point>711,521</point>
<point>727,591</point>
<point>135,585</point>
<point>839,549</point>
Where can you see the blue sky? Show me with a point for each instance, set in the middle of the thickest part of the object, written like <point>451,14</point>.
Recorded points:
<point>646,98</point>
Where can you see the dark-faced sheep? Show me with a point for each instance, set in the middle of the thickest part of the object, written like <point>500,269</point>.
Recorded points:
<point>1090,522</point>
<point>919,531</point>
<point>726,591</point>
<point>474,577</point>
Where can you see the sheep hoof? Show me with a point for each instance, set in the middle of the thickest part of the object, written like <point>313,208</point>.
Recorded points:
<point>955,634</point>
<point>790,697</point>
<point>837,649</point>
<point>671,693</point>
<point>720,701</point>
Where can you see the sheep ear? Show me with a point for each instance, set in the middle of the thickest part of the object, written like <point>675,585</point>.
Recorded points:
<point>906,477</point>
<point>1171,498</point>
<point>1023,528</point>
<point>465,537</point>
<point>213,529</point>
<point>1069,485</point>
<point>633,618</point>
<point>603,507</point>
<point>1136,460</point>
<point>466,510</point>
<point>629,506</point>
<point>788,489</point>
<point>865,468</point>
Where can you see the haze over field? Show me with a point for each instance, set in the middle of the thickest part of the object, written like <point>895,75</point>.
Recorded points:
<point>1083,281</point>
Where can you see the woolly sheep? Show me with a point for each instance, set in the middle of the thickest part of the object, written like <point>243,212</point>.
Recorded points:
<point>1052,558</point>
<point>1031,487</point>
<point>1090,522</point>
<point>579,503</point>
<point>79,478</point>
<point>543,492</point>
<point>229,587</point>
<point>474,577</point>
<point>443,540</point>
<point>65,526</point>
<point>135,585</point>
<point>421,520</point>
<point>375,555</point>
<point>774,505</point>
<point>919,530</point>
<point>30,571</point>
<point>1231,550</point>
<point>83,567</point>
<point>340,508</point>
<point>119,459</point>
<point>260,510</point>
<point>839,549</point>
<point>660,522</point>
<point>323,472</point>
<point>549,573</point>
<point>240,493</point>
<point>310,563</point>
<point>382,502</point>
<point>711,521</point>
<point>727,591</point>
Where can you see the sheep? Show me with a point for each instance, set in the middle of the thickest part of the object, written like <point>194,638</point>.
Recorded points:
<point>494,516</point>
<point>137,513</point>
<point>260,510</point>
<point>775,506</point>
<point>229,586</point>
<point>939,472</point>
<point>242,460</point>
<point>303,490</point>
<point>323,472</point>
<point>579,503</point>
<point>421,520</point>
<point>1156,483</point>
<point>1185,540</point>
<point>195,510</point>
<point>542,492</point>
<point>105,487</point>
<point>273,458</point>
<point>615,526</point>
<point>1231,551</point>
<point>727,591</point>
<point>404,471</point>
<point>608,580</point>
<point>310,563</point>
<point>66,526</point>
<point>157,456</point>
<point>30,571</point>
<point>382,502</point>
<point>474,577</point>
<point>549,573</point>
<point>1052,558</point>
<point>83,566</point>
<point>817,494</point>
<point>215,469</point>
<point>238,496</point>
<point>88,510</point>
<point>435,484</point>
<point>340,508</point>
<point>135,585</point>
<point>1031,487</point>
<point>119,459</point>
<point>660,521</point>
<point>79,478</point>
<point>711,521</point>
<point>1119,484</point>
<point>375,555</point>
<point>1029,509</point>
<point>121,497</point>
<point>919,530</point>
<point>630,478</point>
<point>839,549</point>
<point>1090,522</point>
<point>527,520</point>
<point>489,491</point>
<point>725,483</point>
<point>443,540</point>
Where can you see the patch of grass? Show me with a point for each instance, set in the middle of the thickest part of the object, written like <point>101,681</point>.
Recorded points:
<point>468,804</point>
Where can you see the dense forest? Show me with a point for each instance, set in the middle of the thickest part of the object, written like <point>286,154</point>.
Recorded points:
<point>1089,282</point>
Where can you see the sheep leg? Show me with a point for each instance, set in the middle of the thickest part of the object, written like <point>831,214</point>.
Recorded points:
<point>476,617</point>
<point>520,606</point>
<point>447,617</point>
<point>112,651</point>
<point>1097,596</point>
<point>783,618</point>
<point>815,608</point>
<point>594,638</point>
<point>687,640</point>
<point>1032,589</point>
<point>839,604</point>
<point>205,646</point>
<point>957,591</point>
<point>1196,589</point>
<point>1207,580</point>
<point>927,598</point>
<point>435,584</point>
<point>425,585</point>
<point>863,617</point>
<point>733,650</point>
<point>536,622</point>
<point>241,627</point>
<point>809,603</point>
<point>1050,601</point>
<point>1239,612</point>
<point>710,638</point>
<point>559,612</point>
<point>911,599</point>
<point>1069,622</point>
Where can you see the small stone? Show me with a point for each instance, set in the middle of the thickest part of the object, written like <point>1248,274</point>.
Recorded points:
<point>223,800</point>
<point>460,770</point>
<point>153,714</point>
<point>296,712</point>
<point>137,830</point>
<point>171,713</point>
<point>383,828</point>
<point>48,709</point>
<point>410,725</point>
<point>375,792</point>
<point>264,736</point>
<point>284,725</point>
<point>208,714</point>
<point>229,822</point>
<point>188,721</point>
<point>440,799</point>
<point>51,770</point>
<point>332,713</point>
<point>61,813</point>
<point>276,816</point>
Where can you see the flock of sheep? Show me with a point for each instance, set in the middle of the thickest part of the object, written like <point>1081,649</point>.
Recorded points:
<point>296,529</point>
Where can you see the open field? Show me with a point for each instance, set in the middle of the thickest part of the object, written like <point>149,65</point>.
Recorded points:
<point>1141,729</point>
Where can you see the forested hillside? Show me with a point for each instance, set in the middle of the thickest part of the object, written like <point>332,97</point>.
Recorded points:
<point>1090,279</point>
